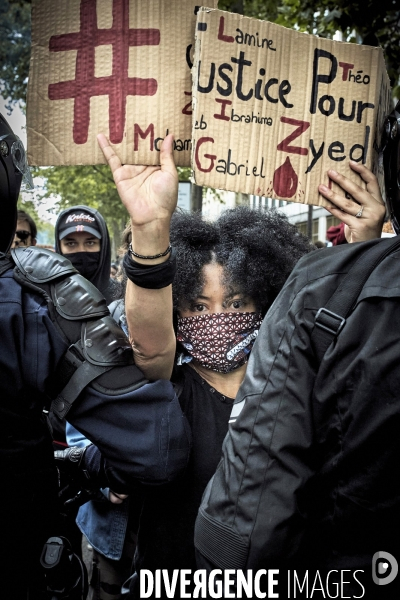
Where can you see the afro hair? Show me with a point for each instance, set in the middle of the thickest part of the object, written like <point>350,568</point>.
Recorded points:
<point>256,248</point>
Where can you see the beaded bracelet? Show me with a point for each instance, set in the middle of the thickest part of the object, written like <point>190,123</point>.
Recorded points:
<point>168,250</point>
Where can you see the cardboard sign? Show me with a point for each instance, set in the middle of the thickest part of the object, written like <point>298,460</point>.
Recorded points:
<point>120,67</point>
<point>274,109</point>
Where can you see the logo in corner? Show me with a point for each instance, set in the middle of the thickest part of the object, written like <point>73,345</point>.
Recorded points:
<point>384,568</point>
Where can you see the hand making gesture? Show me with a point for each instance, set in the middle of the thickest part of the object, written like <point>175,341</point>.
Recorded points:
<point>148,193</point>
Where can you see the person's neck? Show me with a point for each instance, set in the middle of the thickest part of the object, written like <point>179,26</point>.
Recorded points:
<point>225,383</point>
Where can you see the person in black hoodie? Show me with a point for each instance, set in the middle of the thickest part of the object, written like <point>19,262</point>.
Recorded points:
<point>81,234</point>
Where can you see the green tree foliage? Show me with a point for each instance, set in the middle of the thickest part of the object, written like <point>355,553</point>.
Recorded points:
<point>15,48</point>
<point>90,185</point>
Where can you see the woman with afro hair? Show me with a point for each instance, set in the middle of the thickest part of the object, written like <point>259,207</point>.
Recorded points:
<point>199,331</point>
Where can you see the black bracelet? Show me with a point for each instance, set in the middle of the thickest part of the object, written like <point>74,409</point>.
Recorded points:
<point>168,250</point>
<point>151,277</point>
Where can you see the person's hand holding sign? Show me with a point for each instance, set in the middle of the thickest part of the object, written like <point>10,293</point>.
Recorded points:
<point>150,195</point>
<point>363,214</point>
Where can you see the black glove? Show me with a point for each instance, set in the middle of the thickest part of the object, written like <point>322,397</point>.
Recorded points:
<point>71,462</point>
<point>81,476</point>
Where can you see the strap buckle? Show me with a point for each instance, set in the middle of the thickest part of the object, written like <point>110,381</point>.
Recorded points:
<point>329,321</point>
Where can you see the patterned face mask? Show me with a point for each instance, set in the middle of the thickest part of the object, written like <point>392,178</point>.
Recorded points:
<point>220,341</point>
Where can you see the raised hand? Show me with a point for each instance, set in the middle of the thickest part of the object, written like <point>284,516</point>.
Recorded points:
<point>148,193</point>
<point>367,204</point>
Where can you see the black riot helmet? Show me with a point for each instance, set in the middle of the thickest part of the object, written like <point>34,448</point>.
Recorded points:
<point>13,171</point>
<point>391,164</point>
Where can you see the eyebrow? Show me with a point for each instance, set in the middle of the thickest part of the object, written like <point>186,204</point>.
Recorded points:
<point>234,293</point>
<point>227,297</point>
<point>72,239</point>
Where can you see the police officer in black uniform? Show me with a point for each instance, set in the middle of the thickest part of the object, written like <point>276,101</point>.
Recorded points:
<point>59,344</point>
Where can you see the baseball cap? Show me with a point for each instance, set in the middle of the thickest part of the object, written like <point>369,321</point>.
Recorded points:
<point>77,221</point>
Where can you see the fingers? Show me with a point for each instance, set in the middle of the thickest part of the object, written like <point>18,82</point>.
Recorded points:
<point>108,152</point>
<point>369,178</point>
<point>167,155</point>
<point>369,197</point>
<point>116,498</point>
<point>346,218</point>
<point>354,190</point>
<point>364,212</point>
<point>337,202</point>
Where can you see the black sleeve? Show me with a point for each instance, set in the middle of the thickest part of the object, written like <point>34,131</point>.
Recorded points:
<point>140,430</point>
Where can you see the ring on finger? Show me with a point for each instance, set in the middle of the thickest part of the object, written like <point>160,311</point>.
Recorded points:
<point>360,212</point>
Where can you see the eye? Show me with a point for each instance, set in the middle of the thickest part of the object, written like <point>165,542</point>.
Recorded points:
<point>236,304</point>
<point>199,307</point>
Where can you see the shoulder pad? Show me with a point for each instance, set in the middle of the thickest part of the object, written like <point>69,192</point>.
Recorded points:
<point>105,344</point>
<point>39,265</point>
<point>75,298</point>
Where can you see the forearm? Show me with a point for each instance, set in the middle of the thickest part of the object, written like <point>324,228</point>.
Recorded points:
<point>149,311</point>
<point>149,317</point>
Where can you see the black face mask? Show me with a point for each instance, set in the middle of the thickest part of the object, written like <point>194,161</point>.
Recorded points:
<point>85,262</point>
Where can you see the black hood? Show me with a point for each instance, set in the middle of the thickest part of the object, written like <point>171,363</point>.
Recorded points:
<point>101,278</point>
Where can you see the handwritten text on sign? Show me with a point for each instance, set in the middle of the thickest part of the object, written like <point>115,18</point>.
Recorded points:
<point>121,67</point>
<point>279,108</point>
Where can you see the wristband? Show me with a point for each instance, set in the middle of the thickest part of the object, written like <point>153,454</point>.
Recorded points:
<point>151,277</point>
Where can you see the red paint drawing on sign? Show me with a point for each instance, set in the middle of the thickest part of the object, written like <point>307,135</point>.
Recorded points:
<point>221,35</point>
<point>137,132</point>
<point>118,85</point>
<point>187,109</point>
<point>346,68</point>
<point>222,115</point>
<point>285,180</point>
<point>301,126</point>
<point>211,157</point>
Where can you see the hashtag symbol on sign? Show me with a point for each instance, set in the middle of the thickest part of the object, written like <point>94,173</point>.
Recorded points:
<point>118,85</point>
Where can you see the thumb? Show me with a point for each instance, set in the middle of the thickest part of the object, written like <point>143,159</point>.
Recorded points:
<point>167,156</point>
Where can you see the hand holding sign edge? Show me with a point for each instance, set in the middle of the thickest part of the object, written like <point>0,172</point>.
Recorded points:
<point>369,225</point>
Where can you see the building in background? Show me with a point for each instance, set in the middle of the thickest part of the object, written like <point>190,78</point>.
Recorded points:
<point>298,215</point>
<point>216,201</point>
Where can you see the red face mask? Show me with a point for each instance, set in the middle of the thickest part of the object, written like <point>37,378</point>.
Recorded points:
<point>219,341</point>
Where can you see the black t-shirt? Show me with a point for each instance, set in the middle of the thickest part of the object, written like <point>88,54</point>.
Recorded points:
<point>169,512</point>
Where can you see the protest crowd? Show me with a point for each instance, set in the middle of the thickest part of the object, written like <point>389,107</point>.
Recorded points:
<point>225,276</point>
<point>214,412</point>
